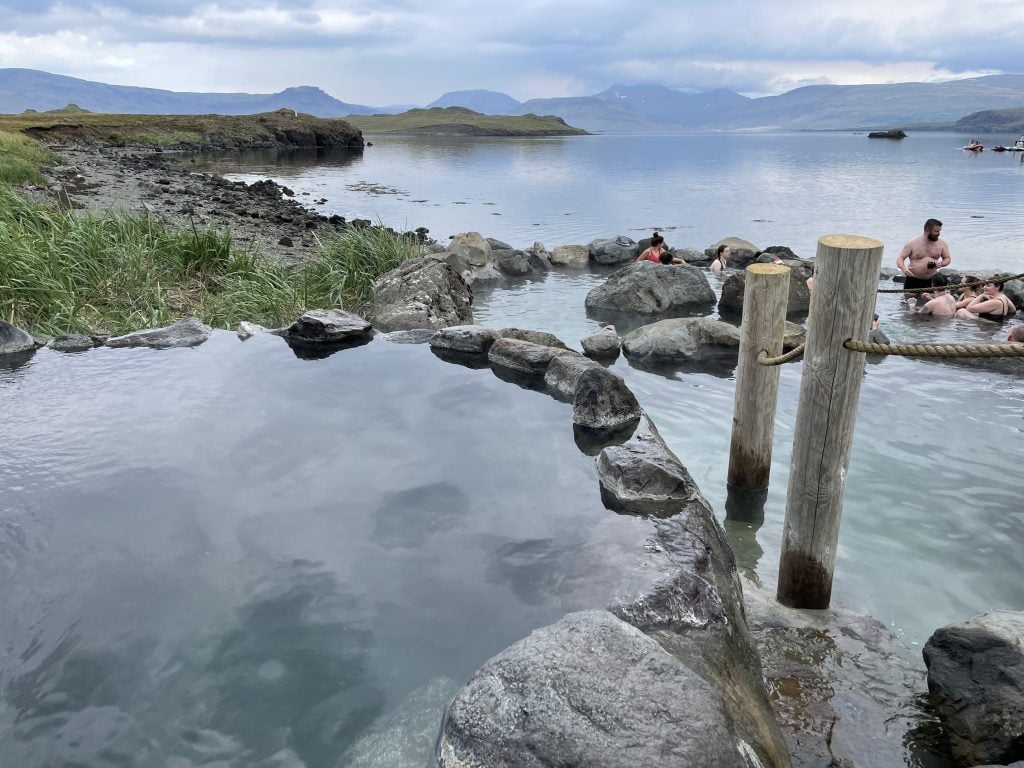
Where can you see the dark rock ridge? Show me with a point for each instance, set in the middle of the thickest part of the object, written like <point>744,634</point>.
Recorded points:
<point>976,684</point>
<point>892,133</point>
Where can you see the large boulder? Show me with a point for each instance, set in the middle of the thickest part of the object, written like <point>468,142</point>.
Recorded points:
<point>512,263</point>
<point>14,341</point>
<point>616,250</point>
<point>602,401</point>
<point>680,340</point>
<point>473,248</point>
<point>976,684</point>
<point>647,289</point>
<point>421,293</point>
<point>734,286</point>
<point>590,690</point>
<point>188,332</point>
<point>577,256</point>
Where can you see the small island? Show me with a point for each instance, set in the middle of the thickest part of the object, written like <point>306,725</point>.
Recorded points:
<point>894,133</point>
<point>459,121</point>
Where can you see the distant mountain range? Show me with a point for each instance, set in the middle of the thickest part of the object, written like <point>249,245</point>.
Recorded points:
<point>619,108</point>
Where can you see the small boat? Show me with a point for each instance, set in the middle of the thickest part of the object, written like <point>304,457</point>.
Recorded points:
<point>974,146</point>
<point>1018,145</point>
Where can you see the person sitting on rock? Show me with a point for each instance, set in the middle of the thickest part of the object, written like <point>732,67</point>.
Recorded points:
<point>992,304</point>
<point>941,303</point>
<point>657,252</point>
<point>722,259</point>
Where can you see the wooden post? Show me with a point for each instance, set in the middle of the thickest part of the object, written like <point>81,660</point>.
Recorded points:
<point>842,303</point>
<point>765,297</point>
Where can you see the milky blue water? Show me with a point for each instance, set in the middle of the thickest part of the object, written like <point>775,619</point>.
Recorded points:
<point>771,189</point>
<point>230,556</point>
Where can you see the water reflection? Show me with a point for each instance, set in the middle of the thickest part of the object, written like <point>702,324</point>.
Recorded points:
<point>744,516</point>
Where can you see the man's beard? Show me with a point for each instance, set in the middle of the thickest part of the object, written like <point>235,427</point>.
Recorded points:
<point>932,237</point>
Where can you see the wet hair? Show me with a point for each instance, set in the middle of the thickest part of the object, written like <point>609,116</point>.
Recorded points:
<point>722,248</point>
<point>996,280</point>
<point>665,257</point>
<point>657,239</point>
<point>932,223</point>
<point>1016,334</point>
<point>939,281</point>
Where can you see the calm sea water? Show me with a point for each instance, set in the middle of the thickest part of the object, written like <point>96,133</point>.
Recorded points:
<point>771,189</point>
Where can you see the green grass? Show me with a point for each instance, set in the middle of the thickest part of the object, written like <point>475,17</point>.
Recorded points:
<point>64,272</point>
<point>20,160</point>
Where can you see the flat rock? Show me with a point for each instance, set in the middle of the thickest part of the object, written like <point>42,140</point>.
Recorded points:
<point>537,337</point>
<point>617,250</point>
<point>647,289</point>
<point>467,339</point>
<point>523,356</point>
<point>976,684</point>
<point>328,326</point>
<point>13,340</point>
<point>188,332</point>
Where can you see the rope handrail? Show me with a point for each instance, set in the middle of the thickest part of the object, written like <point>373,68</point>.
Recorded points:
<point>1009,349</point>
<point>972,283</point>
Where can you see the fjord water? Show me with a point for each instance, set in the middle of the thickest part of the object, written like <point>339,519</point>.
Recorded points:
<point>771,189</point>
<point>230,554</point>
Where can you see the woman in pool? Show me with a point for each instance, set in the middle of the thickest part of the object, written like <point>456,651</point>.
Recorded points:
<point>991,304</point>
<point>722,259</point>
<point>657,252</point>
<point>969,285</point>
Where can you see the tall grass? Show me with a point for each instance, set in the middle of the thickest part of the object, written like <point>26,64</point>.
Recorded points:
<point>64,272</point>
<point>20,159</point>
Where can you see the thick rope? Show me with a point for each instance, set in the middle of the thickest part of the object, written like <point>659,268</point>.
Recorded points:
<point>932,288</point>
<point>793,354</point>
<point>937,350</point>
<point>909,350</point>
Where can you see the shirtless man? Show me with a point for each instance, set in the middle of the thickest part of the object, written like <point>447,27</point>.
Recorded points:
<point>923,256</point>
<point>942,304</point>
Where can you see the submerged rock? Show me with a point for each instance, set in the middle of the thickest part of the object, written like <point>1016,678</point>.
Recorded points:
<point>421,293</point>
<point>189,332</point>
<point>646,288</point>
<point>523,356</point>
<point>536,337</point>
<point>13,340</point>
<point>417,336</point>
<point>976,684</point>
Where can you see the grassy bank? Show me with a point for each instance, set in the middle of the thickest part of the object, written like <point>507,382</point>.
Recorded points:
<point>462,121</point>
<point>62,272</point>
<point>20,160</point>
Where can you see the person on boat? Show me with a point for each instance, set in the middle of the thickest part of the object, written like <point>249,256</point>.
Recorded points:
<point>942,303</point>
<point>722,259</point>
<point>1016,334</point>
<point>992,304</point>
<point>969,285</point>
<point>657,253</point>
<point>923,257</point>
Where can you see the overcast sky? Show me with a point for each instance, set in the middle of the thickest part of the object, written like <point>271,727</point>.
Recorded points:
<point>381,52</point>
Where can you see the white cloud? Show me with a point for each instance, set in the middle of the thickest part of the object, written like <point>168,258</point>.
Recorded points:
<point>389,51</point>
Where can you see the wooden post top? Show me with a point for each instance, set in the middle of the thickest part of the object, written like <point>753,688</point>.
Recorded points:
<point>850,242</point>
<point>768,269</point>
